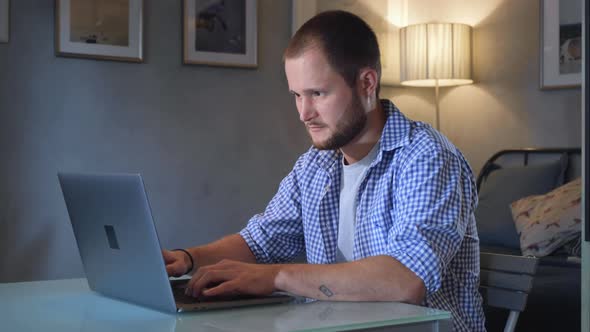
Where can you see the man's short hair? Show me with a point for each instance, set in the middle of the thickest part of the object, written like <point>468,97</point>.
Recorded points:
<point>347,41</point>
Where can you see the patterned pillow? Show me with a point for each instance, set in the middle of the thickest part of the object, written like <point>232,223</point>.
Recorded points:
<point>546,222</point>
<point>495,226</point>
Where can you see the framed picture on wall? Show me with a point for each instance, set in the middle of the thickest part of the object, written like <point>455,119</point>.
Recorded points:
<point>100,29</point>
<point>561,44</point>
<point>4,23</point>
<point>220,33</point>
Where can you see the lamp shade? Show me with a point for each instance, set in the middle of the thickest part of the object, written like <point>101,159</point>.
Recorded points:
<point>435,51</point>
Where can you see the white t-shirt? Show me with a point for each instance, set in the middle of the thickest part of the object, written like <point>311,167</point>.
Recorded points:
<point>351,179</point>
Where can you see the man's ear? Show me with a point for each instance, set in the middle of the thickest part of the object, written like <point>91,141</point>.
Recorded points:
<point>368,81</point>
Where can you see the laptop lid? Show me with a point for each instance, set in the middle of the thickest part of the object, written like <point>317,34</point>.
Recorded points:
<point>119,246</point>
<point>117,239</point>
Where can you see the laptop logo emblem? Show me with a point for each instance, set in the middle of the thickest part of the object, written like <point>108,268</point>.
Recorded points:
<point>110,230</point>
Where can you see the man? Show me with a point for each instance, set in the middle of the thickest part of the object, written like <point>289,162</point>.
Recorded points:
<point>382,205</point>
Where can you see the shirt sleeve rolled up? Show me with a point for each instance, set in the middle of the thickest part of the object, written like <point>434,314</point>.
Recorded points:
<point>431,214</point>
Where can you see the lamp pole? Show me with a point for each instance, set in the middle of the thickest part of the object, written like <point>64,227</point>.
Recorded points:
<point>437,107</point>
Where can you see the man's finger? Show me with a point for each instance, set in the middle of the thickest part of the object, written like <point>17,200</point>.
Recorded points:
<point>225,288</point>
<point>174,270</point>
<point>204,279</point>
<point>196,276</point>
<point>168,256</point>
<point>209,277</point>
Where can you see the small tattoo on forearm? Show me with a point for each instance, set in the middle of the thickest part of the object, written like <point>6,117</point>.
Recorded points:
<point>326,291</point>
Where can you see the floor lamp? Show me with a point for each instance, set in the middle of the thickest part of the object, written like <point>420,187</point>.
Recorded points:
<point>435,55</point>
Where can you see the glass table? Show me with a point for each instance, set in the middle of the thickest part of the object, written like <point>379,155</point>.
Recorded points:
<point>69,305</point>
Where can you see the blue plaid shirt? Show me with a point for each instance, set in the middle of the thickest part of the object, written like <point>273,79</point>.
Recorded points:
<point>415,204</point>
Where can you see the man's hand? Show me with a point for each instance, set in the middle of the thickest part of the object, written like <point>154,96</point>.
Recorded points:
<point>230,277</point>
<point>177,262</point>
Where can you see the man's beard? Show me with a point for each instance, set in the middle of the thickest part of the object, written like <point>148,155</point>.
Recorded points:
<point>347,129</point>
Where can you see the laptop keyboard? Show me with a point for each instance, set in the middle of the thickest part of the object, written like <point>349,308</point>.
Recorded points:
<point>181,297</point>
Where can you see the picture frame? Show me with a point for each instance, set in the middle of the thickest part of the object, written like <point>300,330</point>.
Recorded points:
<point>220,33</point>
<point>4,21</point>
<point>560,44</point>
<point>99,29</point>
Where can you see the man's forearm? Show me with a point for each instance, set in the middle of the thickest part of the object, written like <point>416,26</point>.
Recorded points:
<point>230,247</point>
<point>379,278</point>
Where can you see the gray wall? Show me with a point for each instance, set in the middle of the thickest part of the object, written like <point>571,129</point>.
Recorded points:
<point>212,143</point>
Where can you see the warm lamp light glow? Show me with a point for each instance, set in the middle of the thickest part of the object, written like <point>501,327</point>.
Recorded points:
<point>435,55</point>
<point>436,51</point>
<point>441,82</point>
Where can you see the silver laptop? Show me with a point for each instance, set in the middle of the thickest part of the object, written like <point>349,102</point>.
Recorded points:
<point>119,247</point>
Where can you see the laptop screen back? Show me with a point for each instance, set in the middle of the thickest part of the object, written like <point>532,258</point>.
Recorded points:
<point>117,239</point>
